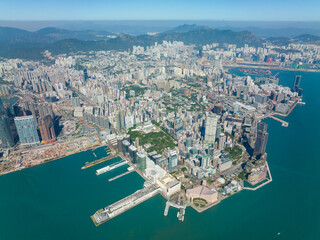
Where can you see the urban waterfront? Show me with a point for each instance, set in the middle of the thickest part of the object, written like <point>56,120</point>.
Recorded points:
<point>55,200</point>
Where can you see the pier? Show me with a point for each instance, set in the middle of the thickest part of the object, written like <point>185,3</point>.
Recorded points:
<point>111,167</point>
<point>103,215</point>
<point>181,208</point>
<point>121,175</point>
<point>96,162</point>
<point>284,123</point>
<point>293,106</point>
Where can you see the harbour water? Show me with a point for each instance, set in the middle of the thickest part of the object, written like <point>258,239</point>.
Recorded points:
<point>55,200</point>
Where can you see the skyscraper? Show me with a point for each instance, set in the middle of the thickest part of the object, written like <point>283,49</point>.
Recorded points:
<point>211,128</point>
<point>5,132</point>
<point>119,144</point>
<point>120,121</point>
<point>218,132</point>
<point>205,161</point>
<point>27,130</point>
<point>172,161</point>
<point>47,128</point>
<point>133,153</point>
<point>45,110</point>
<point>85,76</point>
<point>29,109</point>
<point>261,141</point>
<point>141,161</point>
<point>75,101</point>
<point>222,141</point>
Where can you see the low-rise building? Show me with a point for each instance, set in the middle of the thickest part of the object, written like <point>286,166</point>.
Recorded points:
<point>225,163</point>
<point>169,184</point>
<point>210,195</point>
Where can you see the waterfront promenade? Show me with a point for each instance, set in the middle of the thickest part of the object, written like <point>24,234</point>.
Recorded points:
<point>263,184</point>
<point>274,67</point>
<point>283,123</point>
<point>103,215</point>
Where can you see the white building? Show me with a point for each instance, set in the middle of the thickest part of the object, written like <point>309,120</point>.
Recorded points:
<point>169,184</point>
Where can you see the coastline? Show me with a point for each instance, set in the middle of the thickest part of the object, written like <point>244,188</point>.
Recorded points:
<point>271,67</point>
<point>222,198</point>
<point>51,159</point>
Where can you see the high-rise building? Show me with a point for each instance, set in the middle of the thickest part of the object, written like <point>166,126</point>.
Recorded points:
<point>261,141</point>
<point>188,142</point>
<point>46,127</point>
<point>119,144</point>
<point>27,130</point>
<point>222,141</point>
<point>85,76</point>
<point>45,110</point>
<point>29,109</point>
<point>5,130</point>
<point>75,101</point>
<point>218,132</point>
<point>211,128</point>
<point>205,161</point>
<point>125,147</point>
<point>120,121</point>
<point>172,161</point>
<point>217,109</point>
<point>141,161</point>
<point>261,98</point>
<point>133,153</point>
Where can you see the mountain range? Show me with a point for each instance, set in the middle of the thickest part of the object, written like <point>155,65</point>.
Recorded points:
<point>17,43</point>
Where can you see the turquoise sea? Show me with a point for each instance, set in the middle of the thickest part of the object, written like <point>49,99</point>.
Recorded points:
<point>55,200</point>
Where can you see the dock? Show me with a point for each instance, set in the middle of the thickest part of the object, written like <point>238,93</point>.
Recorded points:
<point>119,176</point>
<point>96,162</point>
<point>111,167</point>
<point>130,170</point>
<point>284,123</point>
<point>293,106</point>
<point>290,110</point>
<point>103,215</point>
<point>181,208</point>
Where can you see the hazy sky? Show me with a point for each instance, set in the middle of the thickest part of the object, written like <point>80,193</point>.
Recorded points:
<point>273,10</point>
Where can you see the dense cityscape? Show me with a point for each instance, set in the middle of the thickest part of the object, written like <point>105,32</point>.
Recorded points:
<point>182,120</point>
<point>174,112</point>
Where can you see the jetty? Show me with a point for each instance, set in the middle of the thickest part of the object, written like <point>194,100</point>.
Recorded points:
<point>96,162</point>
<point>103,215</point>
<point>111,167</point>
<point>284,123</point>
<point>130,170</point>
<point>182,210</point>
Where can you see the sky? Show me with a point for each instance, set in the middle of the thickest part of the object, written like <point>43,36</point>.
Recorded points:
<point>244,10</point>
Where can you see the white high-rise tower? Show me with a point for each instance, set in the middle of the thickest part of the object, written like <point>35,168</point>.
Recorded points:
<point>211,128</point>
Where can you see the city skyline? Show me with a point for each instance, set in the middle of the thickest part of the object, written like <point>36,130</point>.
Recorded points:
<point>136,115</point>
